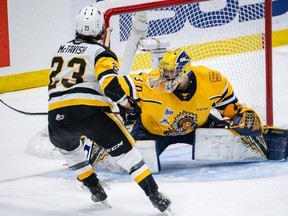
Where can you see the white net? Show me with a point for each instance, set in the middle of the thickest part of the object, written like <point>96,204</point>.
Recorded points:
<point>224,35</point>
<point>39,145</point>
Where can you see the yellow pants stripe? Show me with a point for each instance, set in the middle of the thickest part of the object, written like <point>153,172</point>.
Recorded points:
<point>143,175</point>
<point>116,119</point>
<point>85,174</point>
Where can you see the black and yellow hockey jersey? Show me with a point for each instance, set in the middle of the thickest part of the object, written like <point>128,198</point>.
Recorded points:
<point>178,113</point>
<point>83,80</point>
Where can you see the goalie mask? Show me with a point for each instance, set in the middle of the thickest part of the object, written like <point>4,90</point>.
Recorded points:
<point>90,22</point>
<point>173,68</point>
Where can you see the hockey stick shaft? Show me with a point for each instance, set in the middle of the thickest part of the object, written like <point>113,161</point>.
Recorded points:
<point>31,113</point>
<point>108,36</point>
<point>23,112</point>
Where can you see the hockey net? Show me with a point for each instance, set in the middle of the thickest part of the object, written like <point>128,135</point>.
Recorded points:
<point>233,37</point>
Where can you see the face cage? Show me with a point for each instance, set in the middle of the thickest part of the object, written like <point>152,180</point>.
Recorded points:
<point>170,74</point>
<point>171,85</point>
<point>171,78</point>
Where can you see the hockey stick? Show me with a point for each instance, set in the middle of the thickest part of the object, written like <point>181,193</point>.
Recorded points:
<point>33,113</point>
<point>131,47</point>
<point>23,112</point>
<point>108,36</point>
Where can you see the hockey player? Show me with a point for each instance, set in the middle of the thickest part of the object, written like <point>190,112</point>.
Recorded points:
<point>83,84</point>
<point>177,98</point>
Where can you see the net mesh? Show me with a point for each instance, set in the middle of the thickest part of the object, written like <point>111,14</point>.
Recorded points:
<point>39,145</point>
<point>223,35</point>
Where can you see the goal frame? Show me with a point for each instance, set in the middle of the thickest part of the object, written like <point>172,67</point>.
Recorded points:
<point>268,38</point>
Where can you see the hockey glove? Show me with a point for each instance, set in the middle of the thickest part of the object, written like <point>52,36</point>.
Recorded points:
<point>130,115</point>
<point>246,122</point>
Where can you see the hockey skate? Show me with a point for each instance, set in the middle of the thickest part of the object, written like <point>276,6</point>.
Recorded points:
<point>161,202</point>
<point>98,193</point>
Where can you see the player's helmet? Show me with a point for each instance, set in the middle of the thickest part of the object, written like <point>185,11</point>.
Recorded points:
<point>90,21</point>
<point>173,68</point>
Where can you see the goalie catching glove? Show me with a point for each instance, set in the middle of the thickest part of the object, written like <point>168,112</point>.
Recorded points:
<point>244,120</point>
<point>132,114</point>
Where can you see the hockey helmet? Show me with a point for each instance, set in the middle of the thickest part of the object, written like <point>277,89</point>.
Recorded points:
<point>90,21</point>
<point>173,68</point>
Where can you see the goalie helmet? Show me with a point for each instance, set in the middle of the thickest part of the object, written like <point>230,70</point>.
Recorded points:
<point>173,68</point>
<point>90,22</point>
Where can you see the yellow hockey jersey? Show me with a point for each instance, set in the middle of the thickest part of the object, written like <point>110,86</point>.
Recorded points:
<point>178,113</point>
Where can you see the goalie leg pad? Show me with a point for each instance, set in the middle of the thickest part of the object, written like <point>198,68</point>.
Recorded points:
<point>277,141</point>
<point>221,145</point>
<point>148,151</point>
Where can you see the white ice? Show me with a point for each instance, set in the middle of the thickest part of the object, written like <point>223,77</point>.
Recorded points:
<point>35,186</point>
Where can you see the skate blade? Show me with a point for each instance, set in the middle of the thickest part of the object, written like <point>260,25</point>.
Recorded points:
<point>168,211</point>
<point>80,186</point>
<point>106,203</point>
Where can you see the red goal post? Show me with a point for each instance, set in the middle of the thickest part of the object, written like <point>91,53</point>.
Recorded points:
<point>231,36</point>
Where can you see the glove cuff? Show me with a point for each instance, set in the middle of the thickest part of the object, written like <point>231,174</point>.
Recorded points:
<point>123,101</point>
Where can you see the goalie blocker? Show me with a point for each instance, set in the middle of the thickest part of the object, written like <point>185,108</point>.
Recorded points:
<point>210,144</point>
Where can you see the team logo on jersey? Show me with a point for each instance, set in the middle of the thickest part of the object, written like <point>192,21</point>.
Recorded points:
<point>153,82</point>
<point>183,123</point>
<point>168,111</point>
<point>59,117</point>
<point>165,120</point>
